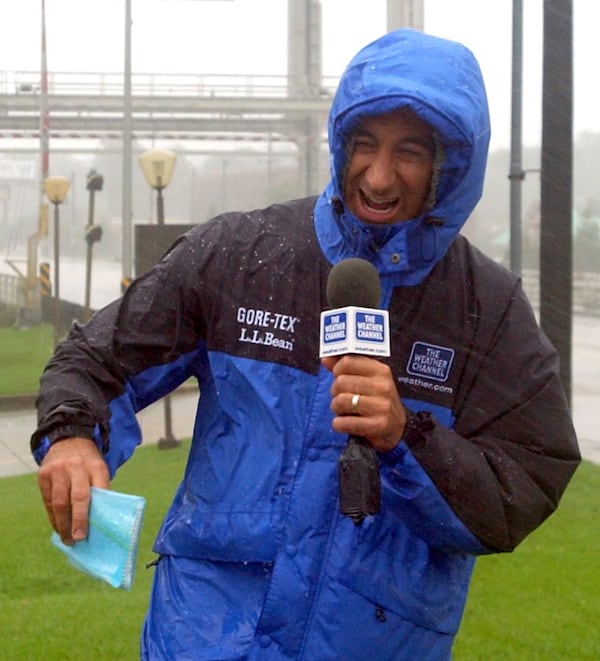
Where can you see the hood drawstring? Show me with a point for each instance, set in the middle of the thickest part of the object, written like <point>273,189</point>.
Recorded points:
<point>337,205</point>
<point>429,238</point>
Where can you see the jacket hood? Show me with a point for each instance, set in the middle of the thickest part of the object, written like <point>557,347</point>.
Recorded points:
<point>440,81</point>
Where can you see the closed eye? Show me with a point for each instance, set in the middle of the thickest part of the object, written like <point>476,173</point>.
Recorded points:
<point>363,145</point>
<point>414,152</point>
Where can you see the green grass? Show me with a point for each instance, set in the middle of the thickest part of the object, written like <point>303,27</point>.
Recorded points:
<point>539,603</point>
<point>542,602</point>
<point>23,357</point>
<point>24,353</point>
<point>53,611</point>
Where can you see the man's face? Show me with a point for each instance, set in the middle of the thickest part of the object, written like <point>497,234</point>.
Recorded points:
<point>390,168</point>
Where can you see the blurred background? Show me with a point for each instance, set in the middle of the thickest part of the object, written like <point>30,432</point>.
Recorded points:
<point>235,95</point>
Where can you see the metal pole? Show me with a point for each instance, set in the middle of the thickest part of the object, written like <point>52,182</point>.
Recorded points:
<point>44,112</point>
<point>57,310</point>
<point>223,184</point>
<point>42,229</point>
<point>127,252</point>
<point>160,207</point>
<point>269,168</point>
<point>556,240</point>
<point>88,260</point>
<point>169,440</point>
<point>516,175</point>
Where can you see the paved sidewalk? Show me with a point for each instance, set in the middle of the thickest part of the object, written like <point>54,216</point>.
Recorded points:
<point>17,425</point>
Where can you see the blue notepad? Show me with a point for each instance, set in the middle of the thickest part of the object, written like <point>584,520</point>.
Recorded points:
<point>109,552</point>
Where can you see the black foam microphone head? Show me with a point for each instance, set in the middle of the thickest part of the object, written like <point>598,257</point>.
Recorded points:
<point>353,281</point>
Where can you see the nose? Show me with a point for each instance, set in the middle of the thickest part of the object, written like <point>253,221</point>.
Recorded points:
<point>380,175</point>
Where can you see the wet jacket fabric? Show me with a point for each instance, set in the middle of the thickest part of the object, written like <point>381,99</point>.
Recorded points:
<point>256,562</point>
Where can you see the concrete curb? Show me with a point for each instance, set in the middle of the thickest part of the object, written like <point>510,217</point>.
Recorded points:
<point>17,403</point>
<point>10,403</point>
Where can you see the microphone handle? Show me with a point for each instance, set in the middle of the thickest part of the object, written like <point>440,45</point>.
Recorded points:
<point>359,480</point>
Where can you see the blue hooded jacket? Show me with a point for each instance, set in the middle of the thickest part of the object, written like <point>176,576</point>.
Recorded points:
<point>439,81</point>
<point>256,560</point>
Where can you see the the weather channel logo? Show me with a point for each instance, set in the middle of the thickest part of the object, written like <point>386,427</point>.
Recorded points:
<point>354,330</point>
<point>370,327</point>
<point>430,361</point>
<point>335,327</point>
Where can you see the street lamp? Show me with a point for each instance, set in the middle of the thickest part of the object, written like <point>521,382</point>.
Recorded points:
<point>157,166</point>
<point>56,189</point>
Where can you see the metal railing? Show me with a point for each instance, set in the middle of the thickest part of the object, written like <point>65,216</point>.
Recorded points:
<point>586,290</point>
<point>154,84</point>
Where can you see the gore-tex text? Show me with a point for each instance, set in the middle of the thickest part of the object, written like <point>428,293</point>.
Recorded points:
<point>254,320</point>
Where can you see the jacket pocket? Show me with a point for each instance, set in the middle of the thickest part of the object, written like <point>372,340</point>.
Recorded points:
<point>421,584</point>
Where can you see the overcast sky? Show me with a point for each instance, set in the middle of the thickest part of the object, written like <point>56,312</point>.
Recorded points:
<point>250,37</point>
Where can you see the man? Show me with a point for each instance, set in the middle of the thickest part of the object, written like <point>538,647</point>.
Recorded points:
<point>472,432</point>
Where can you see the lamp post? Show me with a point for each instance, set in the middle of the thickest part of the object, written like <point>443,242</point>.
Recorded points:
<point>157,166</point>
<point>93,233</point>
<point>56,189</point>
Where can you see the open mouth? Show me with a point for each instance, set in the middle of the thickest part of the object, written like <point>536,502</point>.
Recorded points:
<point>378,207</point>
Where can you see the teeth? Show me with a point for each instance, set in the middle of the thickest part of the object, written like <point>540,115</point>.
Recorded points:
<point>378,206</point>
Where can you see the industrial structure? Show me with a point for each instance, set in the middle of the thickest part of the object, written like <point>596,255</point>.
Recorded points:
<point>39,107</point>
<point>201,106</point>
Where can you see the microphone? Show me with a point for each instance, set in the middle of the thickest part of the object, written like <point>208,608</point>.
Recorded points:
<point>353,281</point>
<point>356,325</point>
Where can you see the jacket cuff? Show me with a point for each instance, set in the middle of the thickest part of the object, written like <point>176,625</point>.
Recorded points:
<point>70,431</point>
<point>98,436</point>
<point>418,426</point>
<point>41,450</point>
<point>392,457</point>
